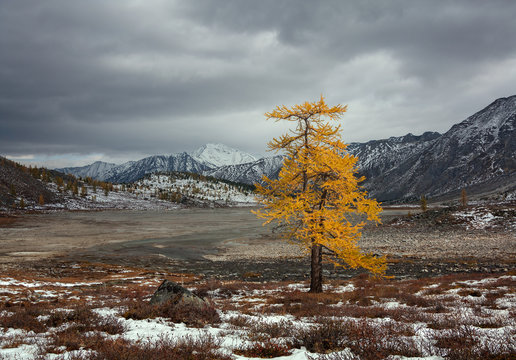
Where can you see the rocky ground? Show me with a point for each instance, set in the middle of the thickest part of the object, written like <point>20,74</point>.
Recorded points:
<point>438,242</point>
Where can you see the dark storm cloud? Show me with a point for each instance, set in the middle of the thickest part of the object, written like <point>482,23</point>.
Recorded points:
<point>152,77</point>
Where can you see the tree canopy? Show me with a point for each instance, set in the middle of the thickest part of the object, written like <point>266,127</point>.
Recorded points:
<point>317,201</point>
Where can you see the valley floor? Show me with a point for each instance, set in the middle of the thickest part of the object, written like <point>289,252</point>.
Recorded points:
<point>452,296</point>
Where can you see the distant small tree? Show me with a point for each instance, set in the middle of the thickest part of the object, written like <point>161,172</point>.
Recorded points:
<point>69,185</point>
<point>75,188</point>
<point>13,190</point>
<point>45,176</point>
<point>60,184</point>
<point>41,200</point>
<point>84,191</point>
<point>464,198</point>
<point>424,205</point>
<point>22,204</point>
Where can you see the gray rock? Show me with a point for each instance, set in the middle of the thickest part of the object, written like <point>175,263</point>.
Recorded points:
<point>174,293</point>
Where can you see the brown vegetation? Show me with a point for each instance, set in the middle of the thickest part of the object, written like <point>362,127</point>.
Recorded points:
<point>467,316</point>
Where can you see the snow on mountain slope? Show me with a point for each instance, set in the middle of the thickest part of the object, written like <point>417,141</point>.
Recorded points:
<point>209,156</point>
<point>478,153</point>
<point>249,173</point>
<point>97,170</point>
<point>135,170</point>
<point>192,188</point>
<point>378,156</point>
<point>216,155</point>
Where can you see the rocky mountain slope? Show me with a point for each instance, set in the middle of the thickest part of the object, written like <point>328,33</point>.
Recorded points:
<point>249,173</point>
<point>217,155</point>
<point>379,156</point>
<point>19,187</point>
<point>95,170</point>
<point>205,158</point>
<point>478,154</point>
<point>135,170</point>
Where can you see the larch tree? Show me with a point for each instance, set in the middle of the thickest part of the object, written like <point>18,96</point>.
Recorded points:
<point>464,198</point>
<point>424,203</point>
<point>317,201</point>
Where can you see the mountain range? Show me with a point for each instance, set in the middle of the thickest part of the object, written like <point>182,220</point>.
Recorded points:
<point>477,154</point>
<point>204,159</point>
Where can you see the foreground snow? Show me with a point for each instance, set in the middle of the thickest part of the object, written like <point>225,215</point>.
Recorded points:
<point>483,305</point>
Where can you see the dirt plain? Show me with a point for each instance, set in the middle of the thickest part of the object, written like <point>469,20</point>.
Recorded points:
<point>232,244</point>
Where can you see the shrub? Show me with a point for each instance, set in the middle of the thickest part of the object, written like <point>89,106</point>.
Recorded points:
<point>189,314</point>
<point>264,349</point>
<point>464,343</point>
<point>23,317</point>
<point>187,348</point>
<point>326,335</point>
<point>263,330</point>
<point>366,339</point>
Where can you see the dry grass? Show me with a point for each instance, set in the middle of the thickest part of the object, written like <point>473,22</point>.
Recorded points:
<point>205,348</point>
<point>186,313</point>
<point>264,349</point>
<point>469,316</point>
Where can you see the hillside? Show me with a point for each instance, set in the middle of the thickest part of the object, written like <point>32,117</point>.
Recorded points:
<point>205,158</point>
<point>23,188</point>
<point>477,154</point>
<point>192,189</point>
<point>18,186</point>
<point>249,173</point>
<point>217,155</point>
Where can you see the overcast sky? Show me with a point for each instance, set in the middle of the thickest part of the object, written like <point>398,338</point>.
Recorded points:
<point>82,81</point>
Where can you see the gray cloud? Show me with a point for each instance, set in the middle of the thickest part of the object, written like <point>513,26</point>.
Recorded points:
<point>148,77</point>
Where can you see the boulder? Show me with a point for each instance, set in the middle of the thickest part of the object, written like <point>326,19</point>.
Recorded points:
<point>174,293</point>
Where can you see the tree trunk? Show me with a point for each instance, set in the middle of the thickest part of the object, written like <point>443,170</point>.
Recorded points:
<point>316,269</point>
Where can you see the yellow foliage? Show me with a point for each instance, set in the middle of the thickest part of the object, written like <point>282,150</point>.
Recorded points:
<point>317,198</point>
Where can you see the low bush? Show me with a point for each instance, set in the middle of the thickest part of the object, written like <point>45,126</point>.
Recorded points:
<point>23,317</point>
<point>464,343</point>
<point>264,349</point>
<point>263,330</point>
<point>187,348</point>
<point>186,313</point>
<point>326,335</point>
<point>366,339</point>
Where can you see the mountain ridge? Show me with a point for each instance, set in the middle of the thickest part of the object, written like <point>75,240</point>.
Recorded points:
<point>477,153</point>
<point>207,157</point>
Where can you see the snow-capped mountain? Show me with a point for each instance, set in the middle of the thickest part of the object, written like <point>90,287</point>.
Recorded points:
<point>209,156</point>
<point>478,154</point>
<point>249,173</point>
<point>216,155</point>
<point>135,170</point>
<point>95,170</point>
<point>375,157</point>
